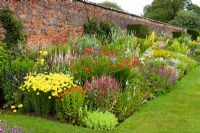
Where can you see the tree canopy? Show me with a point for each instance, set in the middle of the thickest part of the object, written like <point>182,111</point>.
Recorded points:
<point>165,10</point>
<point>182,13</point>
<point>111,5</point>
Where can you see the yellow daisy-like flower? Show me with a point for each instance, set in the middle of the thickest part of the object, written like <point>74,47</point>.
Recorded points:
<point>14,110</point>
<point>54,83</point>
<point>44,53</point>
<point>13,107</point>
<point>49,97</point>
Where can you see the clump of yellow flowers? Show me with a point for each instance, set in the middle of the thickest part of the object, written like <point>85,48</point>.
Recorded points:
<point>162,53</point>
<point>14,108</point>
<point>53,83</point>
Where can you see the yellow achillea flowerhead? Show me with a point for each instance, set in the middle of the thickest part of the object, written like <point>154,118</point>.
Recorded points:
<point>54,83</point>
<point>20,105</point>
<point>13,107</point>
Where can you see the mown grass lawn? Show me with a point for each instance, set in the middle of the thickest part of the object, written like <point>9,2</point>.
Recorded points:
<point>175,112</point>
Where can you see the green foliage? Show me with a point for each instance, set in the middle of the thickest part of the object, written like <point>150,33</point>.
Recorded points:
<point>178,47</point>
<point>186,19</point>
<point>12,76</point>
<point>100,120</point>
<point>14,30</point>
<point>193,33</point>
<point>164,10</point>
<point>106,30</point>
<point>70,107</point>
<point>130,99</point>
<point>85,68</point>
<point>103,30</point>
<point>176,34</point>
<point>138,30</point>
<point>40,103</point>
<point>111,5</point>
<point>190,62</point>
<point>3,57</point>
<point>91,27</point>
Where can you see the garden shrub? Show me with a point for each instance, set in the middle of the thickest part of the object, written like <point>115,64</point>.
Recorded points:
<point>130,99</point>
<point>176,34</point>
<point>69,105</point>
<point>14,30</point>
<point>193,33</point>
<point>13,75</point>
<point>106,30</point>
<point>91,27</point>
<point>99,120</point>
<point>138,30</point>
<point>102,29</point>
<point>101,92</point>
<point>41,103</point>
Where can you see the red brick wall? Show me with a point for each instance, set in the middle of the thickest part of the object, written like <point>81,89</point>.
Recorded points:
<point>54,22</point>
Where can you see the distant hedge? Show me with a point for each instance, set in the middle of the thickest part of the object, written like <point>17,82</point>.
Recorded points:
<point>193,33</point>
<point>138,30</point>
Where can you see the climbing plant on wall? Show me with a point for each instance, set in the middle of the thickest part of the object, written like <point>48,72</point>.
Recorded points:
<point>14,29</point>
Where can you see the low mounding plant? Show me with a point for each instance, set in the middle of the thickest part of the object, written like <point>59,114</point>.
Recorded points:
<point>69,105</point>
<point>100,120</point>
<point>101,92</point>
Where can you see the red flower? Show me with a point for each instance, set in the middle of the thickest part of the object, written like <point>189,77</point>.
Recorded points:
<point>87,70</point>
<point>136,60</point>
<point>88,50</point>
<point>121,65</point>
<point>131,64</point>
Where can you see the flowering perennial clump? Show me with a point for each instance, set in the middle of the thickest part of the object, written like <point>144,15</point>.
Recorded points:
<point>54,83</point>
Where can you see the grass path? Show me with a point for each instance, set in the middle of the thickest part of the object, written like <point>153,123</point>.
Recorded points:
<point>175,112</point>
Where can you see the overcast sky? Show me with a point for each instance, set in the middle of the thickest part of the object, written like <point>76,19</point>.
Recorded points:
<point>135,6</point>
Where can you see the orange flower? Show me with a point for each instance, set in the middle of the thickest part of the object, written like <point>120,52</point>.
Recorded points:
<point>121,65</point>
<point>88,50</point>
<point>87,70</point>
<point>136,60</point>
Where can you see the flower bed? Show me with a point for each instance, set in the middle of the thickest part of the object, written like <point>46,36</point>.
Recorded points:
<point>90,84</point>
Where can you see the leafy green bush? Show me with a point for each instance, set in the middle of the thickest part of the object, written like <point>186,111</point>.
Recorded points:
<point>103,30</point>
<point>14,30</point>
<point>100,120</point>
<point>139,30</point>
<point>91,27</point>
<point>12,76</point>
<point>41,103</point>
<point>69,105</point>
<point>106,30</point>
<point>176,34</point>
<point>193,33</point>
<point>130,99</point>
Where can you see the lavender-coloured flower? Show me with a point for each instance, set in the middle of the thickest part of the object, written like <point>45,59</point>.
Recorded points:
<point>168,73</point>
<point>162,45</point>
<point>113,59</point>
